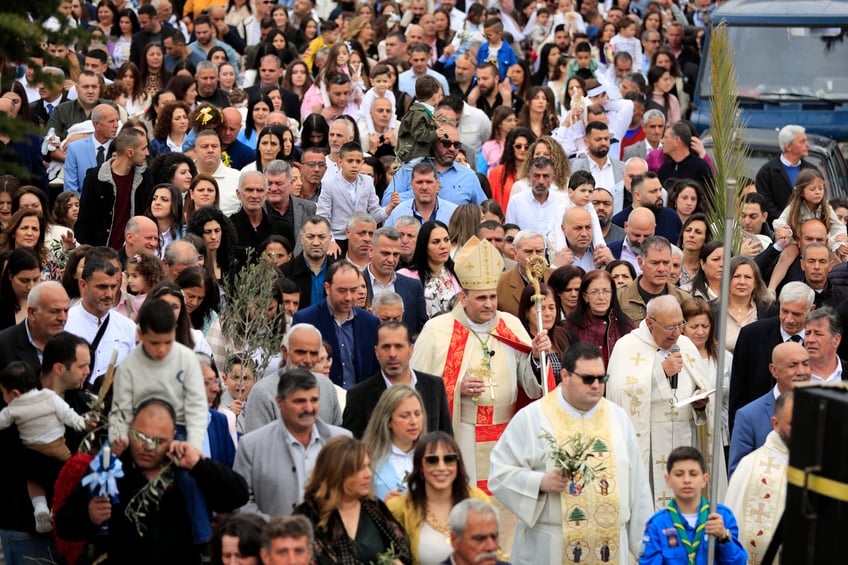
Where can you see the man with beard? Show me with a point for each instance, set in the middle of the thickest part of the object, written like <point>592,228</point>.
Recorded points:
<point>465,69</point>
<point>94,312</point>
<point>204,31</point>
<point>458,184</point>
<point>206,77</point>
<point>639,226</point>
<point>239,153</point>
<point>606,170</point>
<point>489,93</point>
<point>539,208</point>
<point>299,349</point>
<point>602,201</point>
<point>757,490</point>
<point>648,193</point>
<point>622,191</point>
<point>308,269</point>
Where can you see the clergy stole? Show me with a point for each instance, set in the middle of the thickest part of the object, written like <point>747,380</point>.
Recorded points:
<point>591,527</point>
<point>478,425</point>
<point>649,400</point>
<point>764,497</point>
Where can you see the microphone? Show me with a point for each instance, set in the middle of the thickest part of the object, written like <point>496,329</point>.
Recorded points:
<point>673,378</point>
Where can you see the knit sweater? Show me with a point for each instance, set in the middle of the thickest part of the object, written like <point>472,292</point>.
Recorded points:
<point>176,379</point>
<point>41,416</point>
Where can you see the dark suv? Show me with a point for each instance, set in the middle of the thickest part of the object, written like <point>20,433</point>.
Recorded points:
<point>824,154</point>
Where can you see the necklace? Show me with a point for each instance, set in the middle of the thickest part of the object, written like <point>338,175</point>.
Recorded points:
<point>440,526</point>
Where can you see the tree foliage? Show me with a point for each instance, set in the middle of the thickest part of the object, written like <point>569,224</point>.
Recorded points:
<point>730,153</point>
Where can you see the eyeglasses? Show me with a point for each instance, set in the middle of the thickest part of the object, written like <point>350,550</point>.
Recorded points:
<point>315,164</point>
<point>448,144</point>
<point>589,379</point>
<point>520,145</point>
<point>509,239</point>
<point>599,292</point>
<point>448,459</point>
<point>679,326</point>
<point>150,443</point>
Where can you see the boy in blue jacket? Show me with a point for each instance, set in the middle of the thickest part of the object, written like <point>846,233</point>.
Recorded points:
<point>495,49</point>
<point>678,534</point>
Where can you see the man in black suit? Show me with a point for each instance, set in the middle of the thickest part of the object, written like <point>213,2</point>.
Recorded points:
<point>308,269</point>
<point>750,377</point>
<point>380,276</point>
<point>394,350</point>
<point>50,95</point>
<point>47,312</point>
<point>270,74</point>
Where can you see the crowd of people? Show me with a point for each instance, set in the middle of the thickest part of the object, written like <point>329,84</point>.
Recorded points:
<point>496,289</point>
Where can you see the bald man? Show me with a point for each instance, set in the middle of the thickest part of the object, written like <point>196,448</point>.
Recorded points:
<point>577,229</point>
<point>141,237</point>
<point>239,153</point>
<point>640,225</point>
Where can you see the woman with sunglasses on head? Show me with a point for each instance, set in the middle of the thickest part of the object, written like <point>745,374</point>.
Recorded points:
<point>437,483</point>
<point>502,177</point>
<point>351,524</point>
<point>394,428</point>
<point>598,318</point>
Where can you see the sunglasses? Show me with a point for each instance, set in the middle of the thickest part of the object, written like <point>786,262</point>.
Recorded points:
<point>448,459</point>
<point>521,146</point>
<point>448,144</point>
<point>589,379</point>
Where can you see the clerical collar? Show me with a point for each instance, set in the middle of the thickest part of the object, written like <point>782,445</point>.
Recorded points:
<point>572,410</point>
<point>483,328</point>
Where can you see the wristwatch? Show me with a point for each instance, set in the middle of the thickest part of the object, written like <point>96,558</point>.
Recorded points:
<point>727,537</point>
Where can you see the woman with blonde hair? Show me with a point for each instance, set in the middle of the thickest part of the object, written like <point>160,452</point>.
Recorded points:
<point>351,525</point>
<point>437,483</point>
<point>392,433</point>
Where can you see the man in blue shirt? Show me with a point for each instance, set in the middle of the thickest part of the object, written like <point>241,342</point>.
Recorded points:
<point>425,205</point>
<point>458,184</point>
<point>419,57</point>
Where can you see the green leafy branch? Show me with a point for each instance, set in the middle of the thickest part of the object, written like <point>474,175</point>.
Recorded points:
<point>573,455</point>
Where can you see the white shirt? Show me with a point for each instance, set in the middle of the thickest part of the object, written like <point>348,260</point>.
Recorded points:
<point>604,176</point>
<point>227,180</point>
<point>120,335</point>
<point>377,286</point>
<point>544,217</point>
<point>628,255</point>
<point>834,377</point>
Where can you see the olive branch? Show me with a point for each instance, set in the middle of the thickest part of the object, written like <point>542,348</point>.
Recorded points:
<point>572,456</point>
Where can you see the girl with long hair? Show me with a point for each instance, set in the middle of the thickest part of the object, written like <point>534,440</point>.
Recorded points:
<point>257,113</point>
<point>694,235</point>
<point>220,237</point>
<point>137,100</point>
<point>706,283</point>
<point>393,430</point>
<point>297,78</point>
<point>20,271</point>
<point>201,297</point>
<point>166,209</point>
<point>203,191</point>
<point>127,27</point>
<point>504,121</point>
<point>551,316</point>
<point>154,75</point>
<point>269,148</point>
<point>502,177</point>
<point>539,113</point>
<point>750,299</point>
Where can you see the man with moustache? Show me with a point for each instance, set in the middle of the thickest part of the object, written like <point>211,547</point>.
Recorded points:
<point>277,459</point>
<point>490,93</point>
<point>605,170</point>
<point>790,364</point>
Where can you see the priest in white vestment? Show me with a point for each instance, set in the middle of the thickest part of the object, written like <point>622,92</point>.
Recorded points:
<point>483,355</point>
<point>757,489</point>
<point>652,369</point>
<point>597,511</point>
